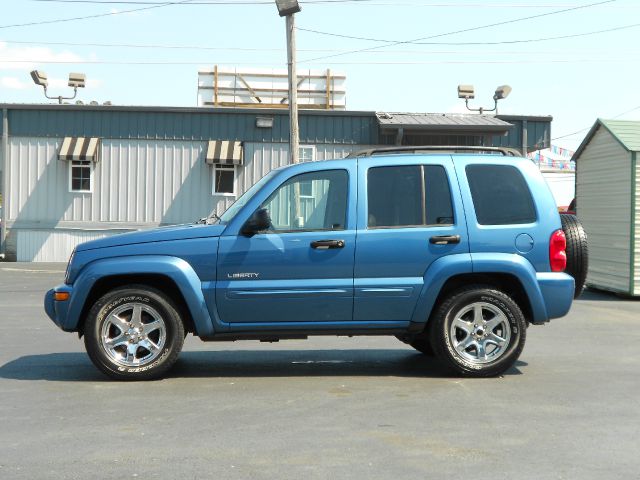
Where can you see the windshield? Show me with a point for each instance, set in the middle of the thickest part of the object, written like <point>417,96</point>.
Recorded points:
<point>231,212</point>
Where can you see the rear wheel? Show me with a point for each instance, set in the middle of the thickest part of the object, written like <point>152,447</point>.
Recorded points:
<point>478,331</point>
<point>134,333</point>
<point>577,251</point>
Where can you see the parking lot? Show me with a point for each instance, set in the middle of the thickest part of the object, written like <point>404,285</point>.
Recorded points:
<point>323,408</point>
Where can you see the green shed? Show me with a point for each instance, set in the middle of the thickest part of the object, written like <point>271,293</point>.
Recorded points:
<point>608,204</point>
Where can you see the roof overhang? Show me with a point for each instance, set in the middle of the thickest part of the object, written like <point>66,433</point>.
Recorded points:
<point>440,123</point>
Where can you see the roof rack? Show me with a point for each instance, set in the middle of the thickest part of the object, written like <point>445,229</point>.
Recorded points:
<point>507,152</point>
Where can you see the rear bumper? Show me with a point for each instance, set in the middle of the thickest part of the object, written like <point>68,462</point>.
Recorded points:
<point>58,310</point>
<point>557,290</point>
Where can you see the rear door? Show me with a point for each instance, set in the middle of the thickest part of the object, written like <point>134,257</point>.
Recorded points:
<point>410,216</point>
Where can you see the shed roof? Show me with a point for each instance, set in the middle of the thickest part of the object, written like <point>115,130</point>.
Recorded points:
<point>626,132</point>
<point>442,121</point>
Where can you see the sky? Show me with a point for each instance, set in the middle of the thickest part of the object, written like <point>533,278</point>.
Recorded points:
<point>398,56</point>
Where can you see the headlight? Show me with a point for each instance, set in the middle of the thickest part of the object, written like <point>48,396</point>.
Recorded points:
<point>68,270</point>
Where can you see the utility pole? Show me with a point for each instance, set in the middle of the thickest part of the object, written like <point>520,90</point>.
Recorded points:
<point>294,139</point>
<point>288,8</point>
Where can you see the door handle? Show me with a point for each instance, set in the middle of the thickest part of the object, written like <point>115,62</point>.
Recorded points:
<point>444,239</point>
<point>326,244</point>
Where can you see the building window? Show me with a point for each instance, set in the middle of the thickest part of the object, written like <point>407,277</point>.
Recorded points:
<point>307,153</point>
<point>224,179</point>
<point>81,176</point>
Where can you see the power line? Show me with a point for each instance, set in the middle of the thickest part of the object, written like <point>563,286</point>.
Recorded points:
<point>279,50</point>
<point>368,2</point>
<point>465,30</point>
<point>60,20</point>
<point>587,128</point>
<point>210,2</point>
<point>504,42</point>
<point>434,62</point>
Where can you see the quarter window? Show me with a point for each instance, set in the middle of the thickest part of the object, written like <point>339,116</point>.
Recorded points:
<point>324,209</point>
<point>500,195</point>
<point>224,179</point>
<point>80,176</point>
<point>408,196</point>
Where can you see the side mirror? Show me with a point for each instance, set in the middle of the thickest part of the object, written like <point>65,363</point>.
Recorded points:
<point>258,222</point>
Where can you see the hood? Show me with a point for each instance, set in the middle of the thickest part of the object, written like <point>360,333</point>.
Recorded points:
<point>163,234</point>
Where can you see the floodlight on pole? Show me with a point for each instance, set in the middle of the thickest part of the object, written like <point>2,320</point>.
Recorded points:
<point>76,80</point>
<point>287,7</point>
<point>467,92</point>
<point>502,91</point>
<point>39,78</point>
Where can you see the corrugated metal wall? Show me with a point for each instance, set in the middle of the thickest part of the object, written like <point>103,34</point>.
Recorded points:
<point>193,125</point>
<point>136,184</point>
<point>52,246</point>
<point>538,134</point>
<point>603,193</point>
<point>636,240</point>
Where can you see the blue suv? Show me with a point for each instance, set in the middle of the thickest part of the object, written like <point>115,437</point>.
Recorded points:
<point>453,250</point>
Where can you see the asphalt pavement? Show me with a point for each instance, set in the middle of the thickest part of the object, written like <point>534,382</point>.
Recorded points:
<point>328,407</point>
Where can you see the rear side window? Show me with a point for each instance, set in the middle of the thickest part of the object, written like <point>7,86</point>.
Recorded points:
<point>408,196</point>
<point>500,195</point>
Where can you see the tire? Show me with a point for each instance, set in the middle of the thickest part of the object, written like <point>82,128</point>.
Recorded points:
<point>475,320</point>
<point>134,333</point>
<point>577,251</point>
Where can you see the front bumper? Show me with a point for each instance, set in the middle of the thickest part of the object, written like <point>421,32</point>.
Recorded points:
<point>58,310</point>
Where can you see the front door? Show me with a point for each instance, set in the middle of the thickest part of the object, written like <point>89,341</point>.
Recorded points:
<point>301,268</point>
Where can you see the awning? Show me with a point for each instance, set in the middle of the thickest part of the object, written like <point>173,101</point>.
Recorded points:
<point>224,152</point>
<point>81,149</point>
<point>439,122</point>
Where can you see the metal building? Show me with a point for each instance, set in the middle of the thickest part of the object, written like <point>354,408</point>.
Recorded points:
<point>608,203</point>
<point>71,173</point>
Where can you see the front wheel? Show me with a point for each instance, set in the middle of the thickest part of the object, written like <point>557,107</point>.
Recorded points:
<point>134,333</point>
<point>478,331</point>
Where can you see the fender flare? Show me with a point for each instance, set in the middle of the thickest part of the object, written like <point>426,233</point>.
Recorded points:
<point>444,268</point>
<point>176,269</point>
<point>435,277</point>
<point>520,268</point>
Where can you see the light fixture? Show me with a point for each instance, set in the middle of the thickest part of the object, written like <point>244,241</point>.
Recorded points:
<point>287,7</point>
<point>76,80</point>
<point>264,122</point>
<point>502,91</point>
<point>39,78</point>
<point>467,92</point>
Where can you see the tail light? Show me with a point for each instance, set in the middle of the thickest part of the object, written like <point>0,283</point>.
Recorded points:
<point>557,251</point>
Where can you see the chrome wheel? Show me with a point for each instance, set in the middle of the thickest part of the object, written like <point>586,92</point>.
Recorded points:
<point>480,333</point>
<point>133,335</point>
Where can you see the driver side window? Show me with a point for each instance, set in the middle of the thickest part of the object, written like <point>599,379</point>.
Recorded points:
<point>311,201</point>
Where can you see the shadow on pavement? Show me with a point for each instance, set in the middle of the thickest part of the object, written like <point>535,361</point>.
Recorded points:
<point>76,367</point>
<point>604,296</point>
